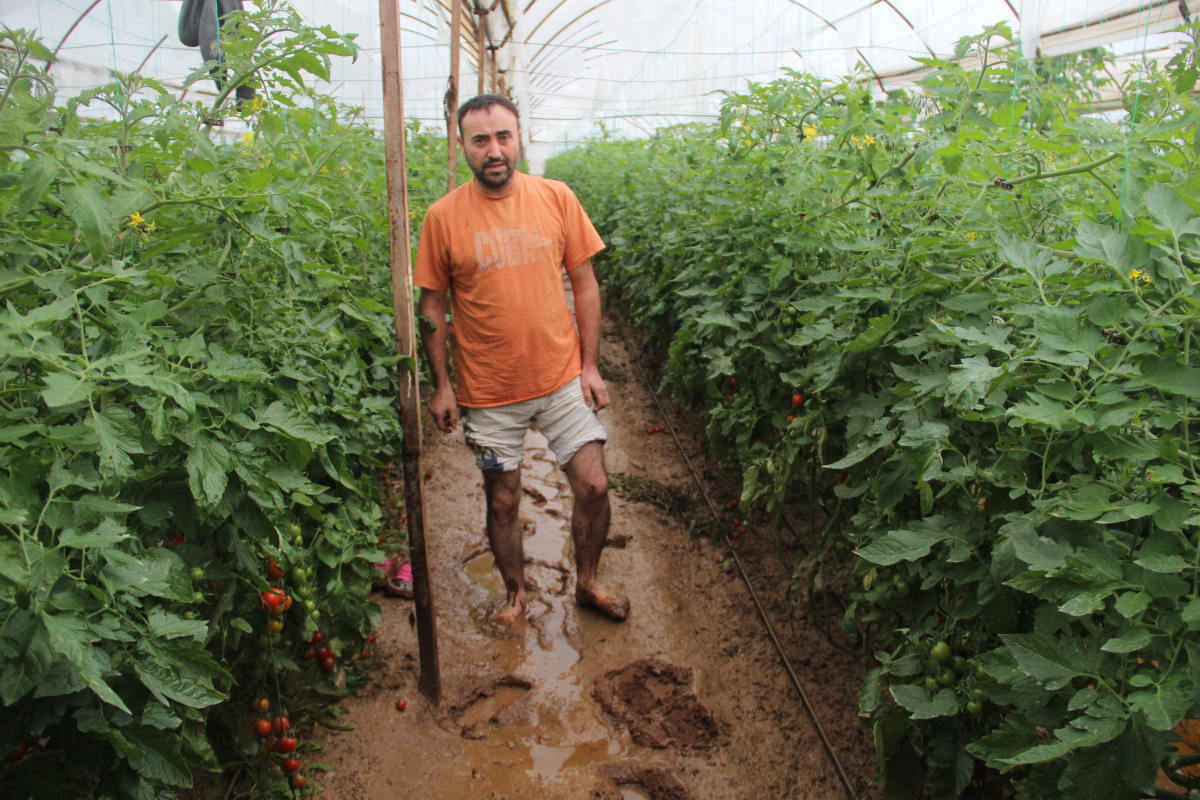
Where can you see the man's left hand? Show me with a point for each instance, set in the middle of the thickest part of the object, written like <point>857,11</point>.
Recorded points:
<point>595,392</point>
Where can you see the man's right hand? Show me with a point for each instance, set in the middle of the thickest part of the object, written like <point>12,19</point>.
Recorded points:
<point>444,408</point>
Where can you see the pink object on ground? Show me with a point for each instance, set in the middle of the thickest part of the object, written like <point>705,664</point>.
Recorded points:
<point>405,572</point>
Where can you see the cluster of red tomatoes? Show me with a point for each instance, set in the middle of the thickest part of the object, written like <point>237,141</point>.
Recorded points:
<point>277,739</point>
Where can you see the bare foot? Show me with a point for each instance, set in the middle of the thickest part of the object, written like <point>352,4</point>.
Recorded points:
<point>512,611</point>
<point>610,605</point>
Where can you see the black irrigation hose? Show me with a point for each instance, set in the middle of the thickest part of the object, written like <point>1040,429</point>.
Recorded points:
<point>753,595</point>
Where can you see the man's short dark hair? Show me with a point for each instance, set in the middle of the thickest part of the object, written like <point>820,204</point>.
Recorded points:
<point>482,102</point>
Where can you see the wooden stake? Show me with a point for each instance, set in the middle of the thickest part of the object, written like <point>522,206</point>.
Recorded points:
<point>480,46</point>
<point>406,345</point>
<point>452,98</point>
<point>492,59</point>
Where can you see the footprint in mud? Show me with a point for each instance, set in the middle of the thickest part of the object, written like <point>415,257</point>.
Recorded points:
<point>627,780</point>
<point>656,701</point>
<point>485,704</point>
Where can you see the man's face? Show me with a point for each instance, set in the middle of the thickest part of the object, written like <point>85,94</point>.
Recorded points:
<point>491,142</point>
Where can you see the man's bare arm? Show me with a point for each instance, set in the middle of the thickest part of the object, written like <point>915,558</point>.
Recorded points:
<point>443,406</point>
<point>587,317</point>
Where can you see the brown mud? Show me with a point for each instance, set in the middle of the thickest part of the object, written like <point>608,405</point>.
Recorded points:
<point>686,700</point>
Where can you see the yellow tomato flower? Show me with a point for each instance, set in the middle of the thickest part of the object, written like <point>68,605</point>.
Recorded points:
<point>970,236</point>
<point>135,219</point>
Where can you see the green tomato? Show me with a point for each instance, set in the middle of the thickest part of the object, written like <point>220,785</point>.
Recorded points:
<point>947,677</point>
<point>931,685</point>
<point>981,673</point>
<point>297,574</point>
<point>295,530</point>
<point>960,665</point>
<point>311,605</point>
<point>940,652</point>
<point>197,597</point>
<point>975,707</point>
<point>316,615</point>
<point>297,541</point>
<point>197,574</point>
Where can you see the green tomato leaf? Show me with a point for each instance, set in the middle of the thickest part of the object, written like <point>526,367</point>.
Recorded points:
<point>918,702</point>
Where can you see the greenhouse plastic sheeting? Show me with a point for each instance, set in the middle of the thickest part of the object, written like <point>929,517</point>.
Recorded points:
<point>627,66</point>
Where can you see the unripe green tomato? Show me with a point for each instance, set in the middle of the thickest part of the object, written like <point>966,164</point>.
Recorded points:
<point>276,638</point>
<point>940,652</point>
<point>197,597</point>
<point>947,677</point>
<point>264,641</point>
<point>197,574</point>
<point>933,663</point>
<point>315,614</point>
<point>311,605</point>
<point>297,541</point>
<point>295,530</point>
<point>189,615</point>
<point>960,665</point>
<point>297,574</point>
<point>303,591</point>
<point>975,707</point>
<point>981,673</point>
<point>276,772</point>
<point>978,694</point>
<point>931,684</point>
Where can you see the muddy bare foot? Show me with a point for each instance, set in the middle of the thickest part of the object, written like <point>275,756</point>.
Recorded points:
<point>610,605</point>
<point>512,611</point>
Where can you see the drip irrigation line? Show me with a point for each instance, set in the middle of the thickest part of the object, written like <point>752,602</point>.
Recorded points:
<point>787,664</point>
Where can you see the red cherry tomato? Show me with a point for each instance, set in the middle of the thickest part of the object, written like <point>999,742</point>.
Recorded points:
<point>281,724</point>
<point>290,765</point>
<point>797,400</point>
<point>262,727</point>
<point>286,744</point>
<point>327,663</point>
<point>298,782</point>
<point>19,752</point>
<point>309,654</point>
<point>317,638</point>
<point>272,598</point>
<point>274,571</point>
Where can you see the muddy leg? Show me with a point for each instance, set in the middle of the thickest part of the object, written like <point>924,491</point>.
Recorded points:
<point>503,490</point>
<point>589,528</point>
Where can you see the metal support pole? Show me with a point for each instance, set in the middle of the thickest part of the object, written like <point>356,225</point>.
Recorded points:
<point>406,345</point>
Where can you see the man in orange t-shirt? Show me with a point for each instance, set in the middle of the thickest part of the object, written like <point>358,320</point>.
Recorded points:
<point>499,244</point>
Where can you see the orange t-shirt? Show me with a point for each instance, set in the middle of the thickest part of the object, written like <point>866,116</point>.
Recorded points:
<point>502,260</point>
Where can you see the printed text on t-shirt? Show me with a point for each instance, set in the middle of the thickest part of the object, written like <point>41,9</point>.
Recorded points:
<point>509,247</point>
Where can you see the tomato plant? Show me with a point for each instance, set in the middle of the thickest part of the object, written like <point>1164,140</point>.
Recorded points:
<point>981,302</point>
<point>197,379</point>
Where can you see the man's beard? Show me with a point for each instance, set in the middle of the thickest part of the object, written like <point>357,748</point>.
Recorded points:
<point>487,180</point>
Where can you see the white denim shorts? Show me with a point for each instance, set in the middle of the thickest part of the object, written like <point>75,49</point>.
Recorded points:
<point>497,434</point>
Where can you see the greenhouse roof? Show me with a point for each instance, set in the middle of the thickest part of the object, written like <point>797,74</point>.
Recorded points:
<point>629,66</point>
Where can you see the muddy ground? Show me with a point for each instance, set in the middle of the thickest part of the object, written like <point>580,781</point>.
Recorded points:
<point>686,699</point>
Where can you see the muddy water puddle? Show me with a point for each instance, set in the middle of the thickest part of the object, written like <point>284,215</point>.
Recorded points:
<point>550,732</point>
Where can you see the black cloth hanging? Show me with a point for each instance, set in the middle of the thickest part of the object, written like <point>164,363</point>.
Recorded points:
<point>198,28</point>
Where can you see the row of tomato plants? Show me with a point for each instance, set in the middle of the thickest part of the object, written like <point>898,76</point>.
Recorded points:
<point>197,392</point>
<point>974,305</point>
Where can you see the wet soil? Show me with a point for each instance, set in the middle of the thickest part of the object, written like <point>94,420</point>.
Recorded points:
<point>686,699</point>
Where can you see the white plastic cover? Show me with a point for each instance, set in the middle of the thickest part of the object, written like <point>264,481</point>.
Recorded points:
<point>629,66</point>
